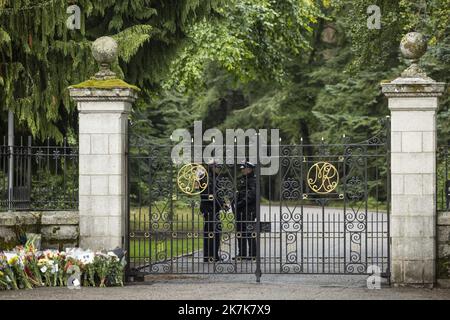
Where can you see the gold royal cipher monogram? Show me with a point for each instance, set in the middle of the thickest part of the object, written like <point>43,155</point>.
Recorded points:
<point>192,179</point>
<point>323,177</point>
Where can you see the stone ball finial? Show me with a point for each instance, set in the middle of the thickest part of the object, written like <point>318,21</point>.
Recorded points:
<point>413,46</point>
<point>105,51</point>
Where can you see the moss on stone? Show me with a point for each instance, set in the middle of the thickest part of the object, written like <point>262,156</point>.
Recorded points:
<point>444,267</point>
<point>8,244</point>
<point>105,84</point>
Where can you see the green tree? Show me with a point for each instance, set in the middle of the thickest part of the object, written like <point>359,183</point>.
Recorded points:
<point>333,88</point>
<point>40,57</point>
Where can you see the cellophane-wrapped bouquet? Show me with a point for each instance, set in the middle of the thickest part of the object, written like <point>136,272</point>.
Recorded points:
<point>27,268</point>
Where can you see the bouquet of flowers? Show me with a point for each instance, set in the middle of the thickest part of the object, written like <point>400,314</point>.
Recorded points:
<point>52,265</point>
<point>116,269</point>
<point>85,259</point>
<point>72,267</point>
<point>101,266</point>
<point>7,278</point>
<point>31,264</point>
<point>60,264</point>
<point>25,267</point>
<point>44,266</point>
<point>16,263</point>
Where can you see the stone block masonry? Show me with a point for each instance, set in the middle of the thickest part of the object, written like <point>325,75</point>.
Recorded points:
<point>103,125</point>
<point>413,103</point>
<point>104,103</point>
<point>58,229</point>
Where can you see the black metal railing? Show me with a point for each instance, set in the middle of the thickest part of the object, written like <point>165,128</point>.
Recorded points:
<point>443,178</point>
<point>38,177</point>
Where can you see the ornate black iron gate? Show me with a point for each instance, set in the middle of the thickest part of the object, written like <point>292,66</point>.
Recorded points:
<point>325,211</point>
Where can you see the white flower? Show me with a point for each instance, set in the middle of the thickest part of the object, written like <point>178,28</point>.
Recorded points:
<point>43,269</point>
<point>54,268</point>
<point>10,255</point>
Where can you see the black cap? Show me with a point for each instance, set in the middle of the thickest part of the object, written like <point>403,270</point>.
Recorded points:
<point>246,164</point>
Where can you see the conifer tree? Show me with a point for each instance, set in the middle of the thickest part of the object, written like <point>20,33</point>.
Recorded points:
<point>40,57</point>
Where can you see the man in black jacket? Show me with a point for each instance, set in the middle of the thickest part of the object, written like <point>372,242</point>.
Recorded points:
<point>210,206</point>
<point>245,211</point>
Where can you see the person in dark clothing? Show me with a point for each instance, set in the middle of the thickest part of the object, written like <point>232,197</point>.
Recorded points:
<point>210,206</point>
<point>245,212</point>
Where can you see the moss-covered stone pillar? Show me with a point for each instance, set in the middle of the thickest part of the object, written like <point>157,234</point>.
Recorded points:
<point>104,103</point>
<point>413,102</point>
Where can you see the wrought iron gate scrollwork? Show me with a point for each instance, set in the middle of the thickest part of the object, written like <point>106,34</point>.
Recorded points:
<point>326,211</point>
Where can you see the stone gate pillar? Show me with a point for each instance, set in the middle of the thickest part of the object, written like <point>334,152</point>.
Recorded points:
<point>104,103</point>
<point>413,102</point>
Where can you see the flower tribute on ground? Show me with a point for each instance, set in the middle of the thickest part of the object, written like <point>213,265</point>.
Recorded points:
<point>27,268</point>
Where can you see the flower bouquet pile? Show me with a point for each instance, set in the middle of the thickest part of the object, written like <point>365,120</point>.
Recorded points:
<point>51,264</point>
<point>25,268</point>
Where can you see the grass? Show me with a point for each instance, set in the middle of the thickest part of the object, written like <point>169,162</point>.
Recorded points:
<point>157,241</point>
<point>163,250</point>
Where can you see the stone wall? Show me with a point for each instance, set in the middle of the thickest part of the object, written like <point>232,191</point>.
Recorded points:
<point>443,230</point>
<point>58,229</point>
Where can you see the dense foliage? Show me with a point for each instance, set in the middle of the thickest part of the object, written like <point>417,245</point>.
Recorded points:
<point>41,57</point>
<point>328,87</point>
<point>310,68</point>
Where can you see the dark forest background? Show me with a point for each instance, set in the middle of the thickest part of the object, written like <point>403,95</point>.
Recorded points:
<point>310,68</point>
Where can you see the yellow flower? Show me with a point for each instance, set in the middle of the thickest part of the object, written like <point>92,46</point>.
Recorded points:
<point>13,260</point>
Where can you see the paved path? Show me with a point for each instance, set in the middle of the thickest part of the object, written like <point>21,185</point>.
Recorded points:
<point>237,287</point>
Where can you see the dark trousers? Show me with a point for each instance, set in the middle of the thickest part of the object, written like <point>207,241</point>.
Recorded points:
<point>212,229</point>
<point>245,225</point>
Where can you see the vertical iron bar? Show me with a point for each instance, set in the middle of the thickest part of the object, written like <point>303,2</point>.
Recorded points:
<point>323,236</point>
<point>153,242</point>
<point>258,212</point>
<point>28,180</point>
<point>301,206</point>
<point>388,155</point>
<point>334,243</point>
<point>171,199</point>
<point>345,209</point>
<point>64,157</point>
<point>329,242</point>
<point>280,212</point>
<point>445,199</point>
<point>11,159</point>
<point>366,193</point>
<point>127,214</point>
